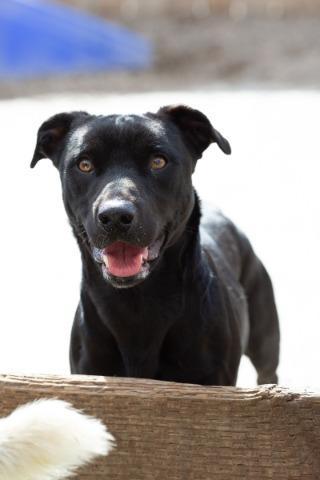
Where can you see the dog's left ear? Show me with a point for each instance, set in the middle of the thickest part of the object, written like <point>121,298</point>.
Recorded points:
<point>51,135</point>
<point>195,128</point>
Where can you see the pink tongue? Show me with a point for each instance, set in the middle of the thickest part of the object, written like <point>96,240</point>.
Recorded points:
<point>124,260</point>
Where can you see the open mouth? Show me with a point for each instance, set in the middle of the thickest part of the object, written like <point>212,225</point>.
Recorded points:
<point>122,262</point>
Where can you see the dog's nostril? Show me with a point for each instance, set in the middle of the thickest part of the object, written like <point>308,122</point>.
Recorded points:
<point>126,219</point>
<point>105,219</point>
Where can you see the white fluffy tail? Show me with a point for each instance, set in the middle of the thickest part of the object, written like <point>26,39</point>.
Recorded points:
<point>49,440</point>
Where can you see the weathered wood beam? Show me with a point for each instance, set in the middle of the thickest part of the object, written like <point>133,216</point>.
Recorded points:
<point>170,431</point>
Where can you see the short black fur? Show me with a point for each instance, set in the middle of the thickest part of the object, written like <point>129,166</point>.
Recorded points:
<point>204,299</point>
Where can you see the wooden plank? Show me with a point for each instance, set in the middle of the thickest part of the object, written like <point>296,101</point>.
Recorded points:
<point>178,431</point>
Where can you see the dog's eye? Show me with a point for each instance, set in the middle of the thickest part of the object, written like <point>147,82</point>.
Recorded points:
<point>157,163</point>
<point>85,165</point>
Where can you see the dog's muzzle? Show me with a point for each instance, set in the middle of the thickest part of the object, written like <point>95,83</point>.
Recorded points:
<point>121,261</point>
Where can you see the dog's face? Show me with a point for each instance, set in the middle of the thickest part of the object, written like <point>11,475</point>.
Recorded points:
<point>126,181</point>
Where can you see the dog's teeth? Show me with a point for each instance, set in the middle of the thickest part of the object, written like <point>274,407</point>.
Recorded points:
<point>105,260</point>
<point>97,255</point>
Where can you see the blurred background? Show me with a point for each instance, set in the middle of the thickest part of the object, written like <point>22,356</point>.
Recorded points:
<point>195,43</point>
<point>252,66</point>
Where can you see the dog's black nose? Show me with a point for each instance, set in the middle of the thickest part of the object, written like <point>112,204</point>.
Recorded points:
<point>117,214</point>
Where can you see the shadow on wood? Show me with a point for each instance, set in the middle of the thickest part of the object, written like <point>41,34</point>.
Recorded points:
<point>177,431</point>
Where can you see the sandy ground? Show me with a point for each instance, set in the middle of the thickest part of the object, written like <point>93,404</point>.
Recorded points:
<point>211,51</point>
<point>269,187</point>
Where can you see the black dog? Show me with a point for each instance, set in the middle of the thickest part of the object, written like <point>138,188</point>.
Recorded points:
<point>161,297</point>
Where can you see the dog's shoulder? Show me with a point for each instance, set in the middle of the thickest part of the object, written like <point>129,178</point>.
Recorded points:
<point>220,238</point>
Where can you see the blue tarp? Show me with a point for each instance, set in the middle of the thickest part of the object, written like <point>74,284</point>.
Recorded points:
<point>39,37</point>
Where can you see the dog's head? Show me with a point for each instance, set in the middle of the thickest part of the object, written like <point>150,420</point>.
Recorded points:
<point>126,181</point>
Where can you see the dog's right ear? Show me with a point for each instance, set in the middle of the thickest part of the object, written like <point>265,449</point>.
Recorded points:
<point>51,135</point>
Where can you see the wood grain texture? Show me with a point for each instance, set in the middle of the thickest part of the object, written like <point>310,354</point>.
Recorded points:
<point>174,431</point>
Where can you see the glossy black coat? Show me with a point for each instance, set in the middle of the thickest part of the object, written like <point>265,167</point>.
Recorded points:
<point>207,299</point>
